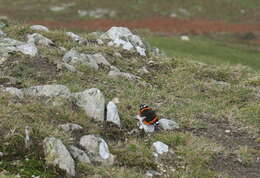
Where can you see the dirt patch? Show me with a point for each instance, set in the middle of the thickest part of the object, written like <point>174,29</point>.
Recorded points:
<point>229,164</point>
<point>231,137</point>
<point>157,24</point>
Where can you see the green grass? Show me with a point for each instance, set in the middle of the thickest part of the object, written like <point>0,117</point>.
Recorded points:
<point>208,51</point>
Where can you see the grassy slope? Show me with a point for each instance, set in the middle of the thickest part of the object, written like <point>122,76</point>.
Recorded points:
<point>180,89</point>
<point>209,51</point>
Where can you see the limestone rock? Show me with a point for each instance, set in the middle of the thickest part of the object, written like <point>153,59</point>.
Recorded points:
<point>123,37</point>
<point>75,37</point>
<point>74,57</point>
<point>112,114</point>
<point>38,39</point>
<point>160,147</point>
<point>66,66</point>
<point>48,91</point>
<point>117,74</point>
<point>97,149</point>
<point>69,127</point>
<point>39,28</point>
<point>93,102</point>
<point>152,173</point>
<point>56,154</point>
<point>8,45</point>
<point>14,91</point>
<point>145,127</point>
<point>79,155</point>
<point>167,124</point>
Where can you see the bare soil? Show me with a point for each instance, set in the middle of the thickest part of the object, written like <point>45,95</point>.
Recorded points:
<point>157,24</point>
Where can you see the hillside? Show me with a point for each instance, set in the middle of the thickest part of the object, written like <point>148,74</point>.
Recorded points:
<point>51,77</point>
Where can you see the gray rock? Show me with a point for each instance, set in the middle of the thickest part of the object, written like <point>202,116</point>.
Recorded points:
<point>123,37</point>
<point>2,33</point>
<point>62,7</point>
<point>97,149</point>
<point>39,28</point>
<point>99,59</point>
<point>167,124</point>
<point>1,154</point>
<point>69,127</point>
<point>8,45</point>
<point>117,74</point>
<point>27,48</point>
<point>14,91</point>
<point>112,114</point>
<point>152,173</point>
<point>48,91</point>
<point>160,147</point>
<point>75,37</point>
<point>73,57</point>
<point>39,39</point>
<point>56,154</point>
<point>66,66</point>
<point>79,155</point>
<point>93,103</point>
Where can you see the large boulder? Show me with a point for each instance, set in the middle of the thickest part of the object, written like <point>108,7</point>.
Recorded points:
<point>112,114</point>
<point>48,91</point>
<point>79,155</point>
<point>97,149</point>
<point>39,28</point>
<point>39,39</point>
<point>123,37</point>
<point>167,124</point>
<point>92,101</point>
<point>8,45</point>
<point>56,154</point>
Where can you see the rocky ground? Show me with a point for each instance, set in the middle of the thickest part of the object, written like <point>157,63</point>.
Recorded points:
<point>68,106</point>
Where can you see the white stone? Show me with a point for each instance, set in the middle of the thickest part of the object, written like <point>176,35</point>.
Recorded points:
<point>112,114</point>
<point>69,67</point>
<point>29,49</point>
<point>56,154</point>
<point>99,59</point>
<point>93,103</point>
<point>69,127</point>
<point>117,74</point>
<point>185,38</point>
<point>39,39</point>
<point>39,28</point>
<point>167,124</point>
<point>14,91</point>
<point>97,149</point>
<point>1,154</point>
<point>123,37</point>
<point>160,147</point>
<point>79,155</point>
<point>10,45</point>
<point>73,57</point>
<point>75,37</point>
<point>141,51</point>
<point>48,91</point>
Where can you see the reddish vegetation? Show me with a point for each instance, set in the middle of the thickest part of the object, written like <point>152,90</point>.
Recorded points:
<point>158,24</point>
